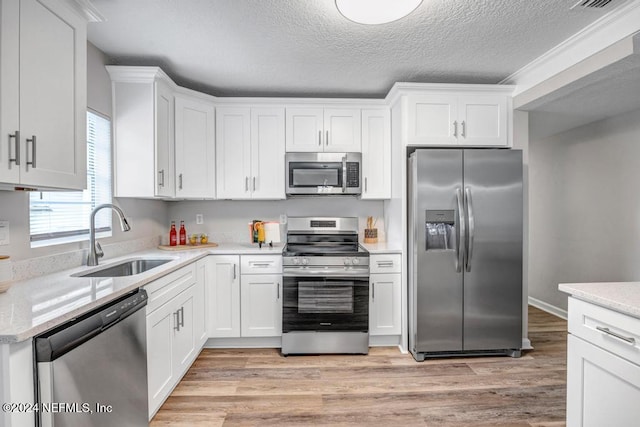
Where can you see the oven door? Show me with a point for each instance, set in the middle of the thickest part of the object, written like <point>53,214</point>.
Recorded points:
<point>325,303</point>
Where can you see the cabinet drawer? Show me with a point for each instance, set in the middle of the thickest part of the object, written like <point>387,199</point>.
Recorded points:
<point>385,263</point>
<point>162,290</point>
<point>608,329</point>
<point>261,264</point>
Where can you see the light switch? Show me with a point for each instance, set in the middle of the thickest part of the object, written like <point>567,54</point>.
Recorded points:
<point>4,232</point>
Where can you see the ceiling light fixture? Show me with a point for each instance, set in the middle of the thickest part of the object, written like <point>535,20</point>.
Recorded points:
<point>373,12</point>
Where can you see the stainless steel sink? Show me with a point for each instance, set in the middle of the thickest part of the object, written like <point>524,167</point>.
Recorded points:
<point>125,268</point>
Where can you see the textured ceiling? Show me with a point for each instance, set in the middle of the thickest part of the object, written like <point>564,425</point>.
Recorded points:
<point>306,48</point>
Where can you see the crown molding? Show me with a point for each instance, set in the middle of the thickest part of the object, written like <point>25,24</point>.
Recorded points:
<point>402,88</point>
<point>86,9</point>
<point>609,29</point>
<point>137,74</point>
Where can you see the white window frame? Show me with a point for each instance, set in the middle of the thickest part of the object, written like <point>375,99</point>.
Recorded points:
<point>104,194</point>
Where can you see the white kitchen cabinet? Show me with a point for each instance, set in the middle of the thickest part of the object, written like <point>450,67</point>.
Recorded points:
<point>223,296</point>
<point>194,148</point>
<point>603,366</point>
<point>376,154</point>
<point>250,153</point>
<point>458,118</point>
<point>143,132</point>
<point>173,321</point>
<point>385,294</point>
<point>43,87</point>
<point>261,305</point>
<point>334,130</point>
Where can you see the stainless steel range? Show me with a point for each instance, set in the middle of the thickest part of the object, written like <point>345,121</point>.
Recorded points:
<point>326,288</point>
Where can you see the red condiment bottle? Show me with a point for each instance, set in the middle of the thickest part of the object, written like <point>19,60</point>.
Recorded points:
<point>173,235</point>
<point>183,234</point>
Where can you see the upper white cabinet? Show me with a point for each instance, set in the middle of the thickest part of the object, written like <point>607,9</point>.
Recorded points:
<point>43,86</point>
<point>458,117</point>
<point>376,154</point>
<point>194,148</point>
<point>143,113</point>
<point>333,130</point>
<point>250,153</point>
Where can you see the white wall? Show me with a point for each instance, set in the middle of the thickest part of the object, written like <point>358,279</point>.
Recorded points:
<point>147,217</point>
<point>584,206</point>
<point>226,221</point>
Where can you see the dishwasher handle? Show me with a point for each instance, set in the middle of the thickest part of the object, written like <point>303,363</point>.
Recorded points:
<point>55,343</point>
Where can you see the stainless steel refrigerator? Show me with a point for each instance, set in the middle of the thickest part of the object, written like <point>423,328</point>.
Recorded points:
<point>465,216</point>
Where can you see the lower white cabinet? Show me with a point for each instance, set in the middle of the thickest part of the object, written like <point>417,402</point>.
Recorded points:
<point>385,294</point>
<point>172,328</point>
<point>244,296</point>
<point>603,367</point>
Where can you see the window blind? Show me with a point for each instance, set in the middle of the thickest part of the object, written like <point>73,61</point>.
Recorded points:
<point>56,214</point>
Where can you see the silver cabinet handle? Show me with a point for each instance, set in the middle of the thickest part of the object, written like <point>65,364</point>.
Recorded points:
<point>344,172</point>
<point>261,264</point>
<point>326,141</point>
<point>319,138</point>
<point>468,201</point>
<point>161,183</point>
<point>464,129</point>
<point>278,290</point>
<point>246,184</point>
<point>33,151</point>
<point>385,263</point>
<point>608,331</point>
<point>16,159</point>
<point>254,183</point>
<point>181,316</point>
<point>373,290</point>
<point>455,129</point>
<point>365,184</point>
<point>180,181</point>
<point>234,272</point>
<point>176,326</point>
<point>461,232</point>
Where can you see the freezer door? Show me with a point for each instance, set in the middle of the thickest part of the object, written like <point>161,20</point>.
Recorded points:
<point>493,269</point>
<point>436,263</point>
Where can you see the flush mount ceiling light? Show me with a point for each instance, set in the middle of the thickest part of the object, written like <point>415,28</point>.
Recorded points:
<point>376,11</point>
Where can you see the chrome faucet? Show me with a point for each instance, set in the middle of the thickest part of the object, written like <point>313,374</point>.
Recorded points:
<point>95,251</point>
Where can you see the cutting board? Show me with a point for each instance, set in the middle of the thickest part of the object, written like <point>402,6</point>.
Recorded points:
<point>187,247</point>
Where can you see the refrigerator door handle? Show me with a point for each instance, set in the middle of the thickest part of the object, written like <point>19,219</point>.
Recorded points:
<point>461,232</point>
<point>468,201</point>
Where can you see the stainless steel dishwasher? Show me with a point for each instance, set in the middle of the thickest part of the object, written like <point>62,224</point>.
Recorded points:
<point>92,371</point>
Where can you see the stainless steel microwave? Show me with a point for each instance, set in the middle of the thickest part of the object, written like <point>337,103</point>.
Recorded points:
<point>323,174</point>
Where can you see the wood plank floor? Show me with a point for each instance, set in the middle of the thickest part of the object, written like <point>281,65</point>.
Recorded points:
<point>258,387</point>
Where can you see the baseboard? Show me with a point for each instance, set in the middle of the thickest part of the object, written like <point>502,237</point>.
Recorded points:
<point>384,341</point>
<point>526,344</point>
<point>551,309</point>
<point>254,342</point>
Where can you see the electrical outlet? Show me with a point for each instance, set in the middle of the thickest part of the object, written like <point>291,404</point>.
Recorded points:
<point>4,233</point>
<point>283,218</point>
<point>199,219</point>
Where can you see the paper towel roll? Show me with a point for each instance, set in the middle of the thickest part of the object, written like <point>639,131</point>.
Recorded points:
<point>272,232</point>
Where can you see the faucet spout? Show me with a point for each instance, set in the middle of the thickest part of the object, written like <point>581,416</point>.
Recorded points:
<point>94,251</point>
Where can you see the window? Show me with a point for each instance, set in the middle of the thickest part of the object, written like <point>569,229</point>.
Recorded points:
<point>63,216</point>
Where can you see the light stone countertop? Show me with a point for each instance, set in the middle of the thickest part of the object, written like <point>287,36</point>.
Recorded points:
<point>383,248</point>
<point>33,306</point>
<point>623,297</point>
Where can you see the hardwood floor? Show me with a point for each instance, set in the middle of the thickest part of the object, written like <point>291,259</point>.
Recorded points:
<point>258,387</point>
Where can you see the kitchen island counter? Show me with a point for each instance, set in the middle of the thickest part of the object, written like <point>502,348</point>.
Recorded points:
<point>33,306</point>
<point>623,297</point>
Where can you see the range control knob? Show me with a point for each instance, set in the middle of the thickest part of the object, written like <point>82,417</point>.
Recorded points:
<point>296,261</point>
<point>305,261</point>
<point>347,261</point>
<point>355,261</point>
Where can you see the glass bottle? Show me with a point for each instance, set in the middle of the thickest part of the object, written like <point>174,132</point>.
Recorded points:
<point>183,234</point>
<point>173,235</point>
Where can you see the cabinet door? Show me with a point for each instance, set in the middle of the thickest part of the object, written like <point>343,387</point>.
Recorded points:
<point>261,305</point>
<point>223,296</point>
<point>432,119</point>
<point>483,120</point>
<point>385,306</point>
<point>305,129</point>
<point>9,90</point>
<point>164,140</point>
<point>53,104</point>
<point>203,273</point>
<point>602,388</point>
<point>376,154</point>
<point>233,153</point>
<point>184,343</point>
<point>195,148</point>
<point>161,372</point>
<point>267,153</point>
<point>342,130</point>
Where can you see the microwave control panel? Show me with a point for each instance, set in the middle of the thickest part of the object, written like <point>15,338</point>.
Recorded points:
<point>353,174</point>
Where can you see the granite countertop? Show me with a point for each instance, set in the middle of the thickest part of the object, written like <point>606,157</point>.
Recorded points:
<point>33,306</point>
<point>623,297</point>
<point>383,248</point>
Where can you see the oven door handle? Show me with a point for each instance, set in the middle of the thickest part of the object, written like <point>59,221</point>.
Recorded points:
<point>327,273</point>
